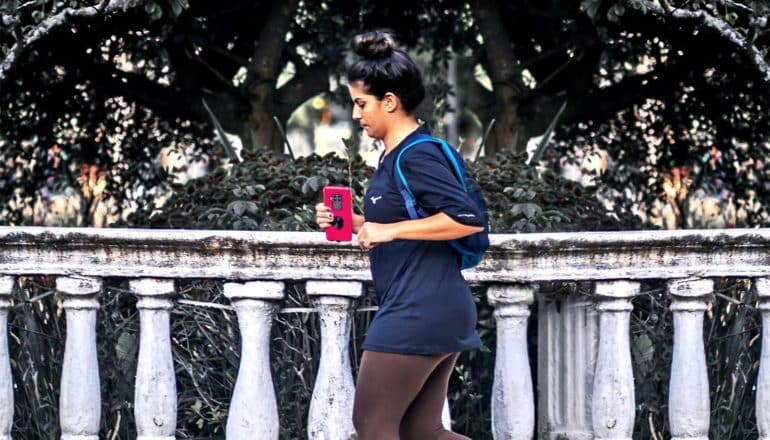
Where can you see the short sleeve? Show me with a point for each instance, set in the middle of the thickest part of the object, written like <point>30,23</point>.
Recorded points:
<point>435,186</point>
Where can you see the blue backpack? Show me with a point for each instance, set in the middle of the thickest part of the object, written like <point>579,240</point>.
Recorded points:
<point>470,248</point>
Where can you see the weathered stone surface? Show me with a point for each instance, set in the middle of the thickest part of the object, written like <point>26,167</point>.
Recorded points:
<point>613,391</point>
<point>248,255</point>
<point>688,401</point>
<point>255,304</point>
<point>6,379</point>
<point>155,389</point>
<point>513,400</point>
<point>763,378</point>
<point>330,416</point>
<point>80,404</point>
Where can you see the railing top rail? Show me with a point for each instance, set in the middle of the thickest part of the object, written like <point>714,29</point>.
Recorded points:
<point>115,252</point>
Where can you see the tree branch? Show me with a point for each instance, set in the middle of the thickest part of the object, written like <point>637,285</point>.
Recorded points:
<point>305,84</point>
<point>719,27</point>
<point>163,100</point>
<point>56,21</point>
<point>735,6</point>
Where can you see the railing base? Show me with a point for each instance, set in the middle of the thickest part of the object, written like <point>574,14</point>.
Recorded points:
<point>705,437</point>
<point>70,437</point>
<point>151,437</point>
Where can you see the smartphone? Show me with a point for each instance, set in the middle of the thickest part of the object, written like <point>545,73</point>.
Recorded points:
<point>337,198</point>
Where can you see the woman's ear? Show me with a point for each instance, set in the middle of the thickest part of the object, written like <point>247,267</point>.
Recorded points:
<point>391,102</point>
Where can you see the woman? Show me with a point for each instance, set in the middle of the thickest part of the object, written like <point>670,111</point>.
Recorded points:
<point>426,313</point>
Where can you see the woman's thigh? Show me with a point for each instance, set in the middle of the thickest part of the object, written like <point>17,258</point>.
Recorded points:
<point>422,420</point>
<point>387,385</point>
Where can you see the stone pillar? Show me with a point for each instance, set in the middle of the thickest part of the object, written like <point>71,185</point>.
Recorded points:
<point>613,406</point>
<point>568,335</point>
<point>688,393</point>
<point>253,410</point>
<point>513,405</point>
<point>6,378</point>
<point>155,389</point>
<point>80,402</point>
<point>763,377</point>
<point>331,406</point>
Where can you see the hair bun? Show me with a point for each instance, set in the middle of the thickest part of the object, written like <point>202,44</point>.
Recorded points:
<point>373,45</point>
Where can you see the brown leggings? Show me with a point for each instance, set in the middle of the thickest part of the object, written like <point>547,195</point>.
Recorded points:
<point>400,397</point>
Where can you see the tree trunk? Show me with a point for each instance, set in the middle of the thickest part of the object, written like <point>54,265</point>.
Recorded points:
<point>505,73</point>
<point>266,64</point>
<point>264,133</point>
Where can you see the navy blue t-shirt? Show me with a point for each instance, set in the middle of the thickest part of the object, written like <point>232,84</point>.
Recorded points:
<point>425,305</point>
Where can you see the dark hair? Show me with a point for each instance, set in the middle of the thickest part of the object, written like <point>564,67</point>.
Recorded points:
<point>384,68</point>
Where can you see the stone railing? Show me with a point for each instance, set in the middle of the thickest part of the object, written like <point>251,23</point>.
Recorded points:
<point>585,380</point>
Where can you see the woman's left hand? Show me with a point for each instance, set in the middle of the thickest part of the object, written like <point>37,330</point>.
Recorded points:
<point>372,234</point>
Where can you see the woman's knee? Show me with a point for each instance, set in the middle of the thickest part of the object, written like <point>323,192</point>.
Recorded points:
<point>371,425</point>
<point>359,420</point>
<point>428,432</point>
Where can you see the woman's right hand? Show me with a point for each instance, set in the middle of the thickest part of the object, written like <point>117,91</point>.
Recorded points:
<point>323,216</point>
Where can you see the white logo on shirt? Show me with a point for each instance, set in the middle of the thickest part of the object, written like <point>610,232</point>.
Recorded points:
<point>466,215</point>
<point>374,199</point>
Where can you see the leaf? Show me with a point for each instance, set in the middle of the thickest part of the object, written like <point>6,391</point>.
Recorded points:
<point>221,133</point>
<point>177,6</point>
<point>528,210</point>
<point>591,7</point>
<point>538,154</point>
<point>238,207</point>
<point>313,184</point>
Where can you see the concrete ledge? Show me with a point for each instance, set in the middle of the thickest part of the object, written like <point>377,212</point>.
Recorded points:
<point>263,255</point>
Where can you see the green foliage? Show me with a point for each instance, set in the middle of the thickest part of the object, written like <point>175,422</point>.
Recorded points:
<point>522,198</point>
<point>265,192</point>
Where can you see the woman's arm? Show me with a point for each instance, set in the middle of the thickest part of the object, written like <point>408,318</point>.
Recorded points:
<point>358,221</point>
<point>436,227</point>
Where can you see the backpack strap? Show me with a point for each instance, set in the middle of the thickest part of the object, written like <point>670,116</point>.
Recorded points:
<point>415,211</point>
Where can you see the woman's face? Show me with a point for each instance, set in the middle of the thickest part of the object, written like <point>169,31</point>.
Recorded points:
<point>368,111</point>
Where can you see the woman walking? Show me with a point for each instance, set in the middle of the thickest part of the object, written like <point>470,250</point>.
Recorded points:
<point>426,313</point>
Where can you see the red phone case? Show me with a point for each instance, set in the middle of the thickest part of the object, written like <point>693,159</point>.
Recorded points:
<point>337,198</point>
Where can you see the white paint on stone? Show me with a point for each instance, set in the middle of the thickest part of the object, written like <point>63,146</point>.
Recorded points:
<point>513,406</point>
<point>253,410</point>
<point>80,401</point>
<point>155,389</point>
<point>331,405</point>
<point>763,379</point>
<point>568,334</point>
<point>269,255</point>
<point>6,379</point>
<point>688,393</point>
<point>613,405</point>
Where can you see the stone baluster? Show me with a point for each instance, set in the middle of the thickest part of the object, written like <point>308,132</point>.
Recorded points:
<point>331,406</point>
<point>568,335</point>
<point>253,410</point>
<point>155,388</point>
<point>80,402</point>
<point>688,393</point>
<point>763,378</point>
<point>613,389</point>
<point>513,405</point>
<point>6,379</point>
